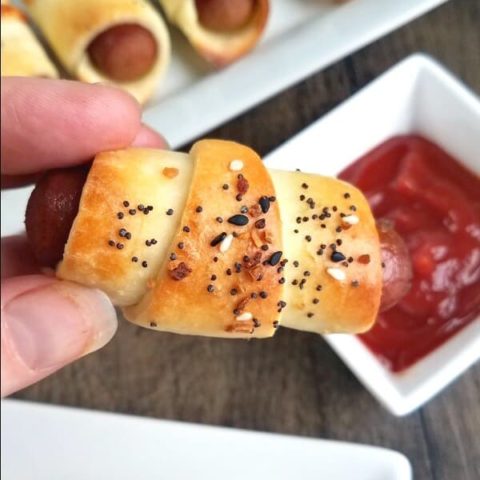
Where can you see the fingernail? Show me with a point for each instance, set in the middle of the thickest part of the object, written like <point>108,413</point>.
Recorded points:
<point>53,325</point>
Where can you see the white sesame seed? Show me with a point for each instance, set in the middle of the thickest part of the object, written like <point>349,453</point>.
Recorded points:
<point>351,219</point>
<point>336,273</point>
<point>226,243</point>
<point>236,165</point>
<point>244,317</point>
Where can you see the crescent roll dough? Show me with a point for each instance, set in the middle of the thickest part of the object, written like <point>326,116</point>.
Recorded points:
<point>22,53</point>
<point>71,25</point>
<point>219,48</point>
<point>212,243</point>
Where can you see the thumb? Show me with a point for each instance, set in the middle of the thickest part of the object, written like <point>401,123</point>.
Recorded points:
<point>46,324</point>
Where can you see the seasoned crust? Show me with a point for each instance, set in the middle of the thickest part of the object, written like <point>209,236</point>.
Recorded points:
<point>181,300</point>
<point>140,177</point>
<point>316,212</point>
<point>71,25</point>
<point>184,289</point>
<point>219,48</point>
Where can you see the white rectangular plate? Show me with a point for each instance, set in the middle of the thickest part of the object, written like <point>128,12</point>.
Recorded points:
<point>416,96</point>
<point>302,36</point>
<point>55,443</point>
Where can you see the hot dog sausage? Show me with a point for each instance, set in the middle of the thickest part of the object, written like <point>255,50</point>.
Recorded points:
<point>51,209</point>
<point>397,267</point>
<point>124,52</point>
<point>224,15</point>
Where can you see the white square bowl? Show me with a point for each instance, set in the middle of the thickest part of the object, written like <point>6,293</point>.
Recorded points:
<point>416,96</point>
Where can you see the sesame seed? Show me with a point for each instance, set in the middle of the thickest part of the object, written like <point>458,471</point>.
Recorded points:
<point>233,291</point>
<point>169,211</point>
<point>295,282</point>
<point>238,198</point>
<point>308,238</point>
<point>132,211</point>
<point>310,314</point>
<point>263,294</point>
<point>199,209</point>
<point>253,295</point>
<point>228,271</point>
<point>210,288</point>
<point>144,264</point>
<point>295,263</point>
<point>355,283</point>
<point>275,324</point>
<point>120,246</point>
<point>225,186</point>
<point>295,231</point>
<point>244,209</point>
<point>120,215</point>
<point>147,243</point>
<point>128,236</point>
<point>218,239</point>
<point>302,197</point>
<point>346,195</point>
<point>140,207</point>
<point>339,242</point>
<point>315,301</point>
<point>306,273</point>
<point>186,229</point>
<point>264,203</point>
<point>126,204</point>
<point>337,257</point>
<point>318,288</point>
<point>134,259</point>
<point>236,165</point>
<point>238,220</point>
<point>272,198</point>
<point>244,317</point>
<point>219,220</point>
<point>337,274</point>
<point>226,243</point>
<point>180,245</point>
<point>275,258</point>
<point>173,256</point>
<point>215,259</point>
<point>304,185</point>
<point>281,281</point>
<point>153,241</point>
<point>351,219</point>
<point>111,243</point>
<point>153,324</point>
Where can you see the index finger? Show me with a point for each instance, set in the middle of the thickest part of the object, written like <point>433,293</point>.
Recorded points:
<point>59,123</point>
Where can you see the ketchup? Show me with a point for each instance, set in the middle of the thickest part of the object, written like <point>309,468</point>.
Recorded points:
<point>434,203</point>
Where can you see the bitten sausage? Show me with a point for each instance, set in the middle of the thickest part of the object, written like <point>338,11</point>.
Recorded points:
<point>397,267</point>
<point>124,52</point>
<point>51,210</point>
<point>224,15</point>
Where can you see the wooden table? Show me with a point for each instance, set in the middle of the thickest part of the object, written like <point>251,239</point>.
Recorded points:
<point>294,383</point>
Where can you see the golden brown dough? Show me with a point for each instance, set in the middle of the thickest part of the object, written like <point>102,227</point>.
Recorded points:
<point>227,249</point>
<point>22,54</point>
<point>218,47</point>
<point>71,25</point>
<point>218,279</point>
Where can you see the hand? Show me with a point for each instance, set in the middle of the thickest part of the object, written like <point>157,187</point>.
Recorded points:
<point>47,323</point>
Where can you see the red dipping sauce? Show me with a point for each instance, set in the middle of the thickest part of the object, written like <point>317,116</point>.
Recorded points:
<point>434,203</point>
